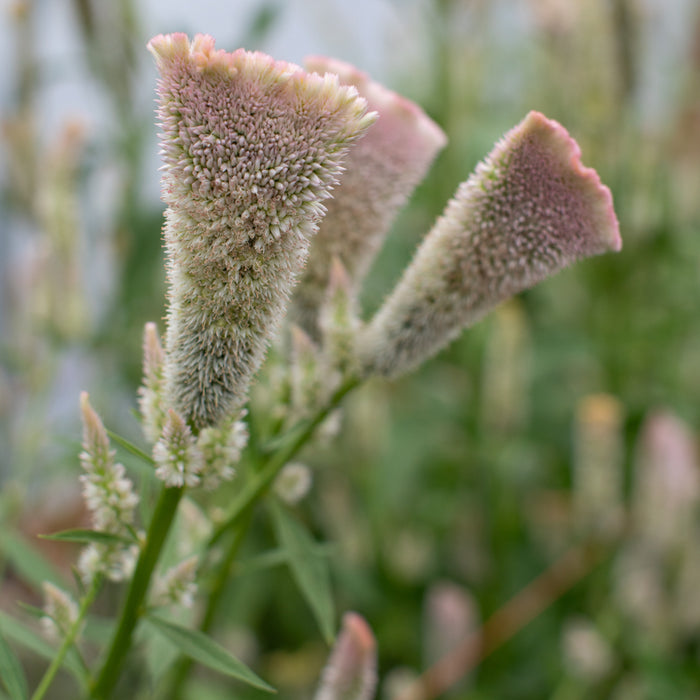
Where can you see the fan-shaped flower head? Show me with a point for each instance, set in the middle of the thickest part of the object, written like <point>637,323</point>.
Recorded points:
<point>252,147</point>
<point>381,172</point>
<point>530,209</point>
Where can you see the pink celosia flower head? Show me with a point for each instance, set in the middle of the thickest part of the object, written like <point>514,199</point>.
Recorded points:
<point>252,147</point>
<point>530,209</point>
<point>351,673</point>
<point>381,172</point>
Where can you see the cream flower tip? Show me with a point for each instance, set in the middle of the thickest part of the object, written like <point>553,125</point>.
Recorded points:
<point>388,105</point>
<point>566,154</point>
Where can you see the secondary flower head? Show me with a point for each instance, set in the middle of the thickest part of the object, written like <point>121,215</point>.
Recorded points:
<point>530,209</point>
<point>381,172</point>
<point>252,147</point>
<point>351,673</point>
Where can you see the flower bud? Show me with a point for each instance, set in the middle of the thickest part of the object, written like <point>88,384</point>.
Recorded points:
<point>351,673</point>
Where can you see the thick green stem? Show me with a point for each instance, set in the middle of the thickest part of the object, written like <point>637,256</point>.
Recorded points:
<point>162,519</point>
<point>259,482</point>
<point>68,640</point>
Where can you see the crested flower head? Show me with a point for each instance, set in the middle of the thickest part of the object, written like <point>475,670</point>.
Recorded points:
<point>252,147</point>
<point>351,672</point>
<point>381,172</point>
<point>530,209</point>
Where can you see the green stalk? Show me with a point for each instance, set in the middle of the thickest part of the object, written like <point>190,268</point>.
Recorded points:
<point>162,519</point>
<point>68,640</point>
<point>181,670</point>
<point>240,512</point>
<point>260,481</point>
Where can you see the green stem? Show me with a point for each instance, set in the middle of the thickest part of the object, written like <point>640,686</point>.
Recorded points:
<point>68,640</point>
<point>258,484</point>
<point>162,519</point>
<point>216,591</point>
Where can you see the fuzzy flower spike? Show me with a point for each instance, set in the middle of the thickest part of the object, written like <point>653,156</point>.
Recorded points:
<point>252,147</point>
<point>381,172</point>
<point>530,209</point>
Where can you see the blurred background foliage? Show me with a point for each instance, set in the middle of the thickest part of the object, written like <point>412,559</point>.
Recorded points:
<point>568,417</point>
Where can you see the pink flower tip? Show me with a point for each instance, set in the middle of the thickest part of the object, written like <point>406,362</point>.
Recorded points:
<point>392,107</point>
<point>551,135</point>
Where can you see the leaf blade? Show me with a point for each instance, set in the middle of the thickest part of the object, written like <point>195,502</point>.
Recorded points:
<point>309,570</point>
<point>87,536</point>
<point>206,651</point>
<point>11,672</point>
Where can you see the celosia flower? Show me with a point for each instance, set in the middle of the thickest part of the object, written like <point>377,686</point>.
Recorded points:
<point>339,322</point>
<point>381,172</point>
<point>528,211</point>
<point>107,492</point>
<point>61,613</point>
<point>151,393</point>
<point>221,448</point>
<point>666,490</point>
<point>598,465</point>
<point>351,672</point>
<point>177,586</point>
<point>178,459</point>
<point>252,147</point>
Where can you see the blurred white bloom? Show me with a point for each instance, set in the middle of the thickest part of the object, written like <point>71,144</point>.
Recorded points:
<point>598,465</point>
<point>293,482</point>
<point>61,613</point>
<point>177,586</point>
<point>587,653</point>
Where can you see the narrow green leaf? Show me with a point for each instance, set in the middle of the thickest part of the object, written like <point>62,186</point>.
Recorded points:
<point>207,652</point>
<point>15,630</point>
<point>80,535</point>
<point>12,673</point>
<point>29,564</point>
<point>310,571</point>
<point>130,447</point>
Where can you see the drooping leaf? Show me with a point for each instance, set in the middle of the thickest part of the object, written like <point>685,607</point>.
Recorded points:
<point>130,447</point>
<point>27,562</point>
<point>309,569</point>
<point>85,536</point>
<point>12,673</point>
<point>207,652</point>
<point>18,632</point>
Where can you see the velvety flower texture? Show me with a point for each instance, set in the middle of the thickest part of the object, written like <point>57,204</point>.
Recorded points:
<point>530,209</point>
<point>381,172</point>
<point>252,147</point>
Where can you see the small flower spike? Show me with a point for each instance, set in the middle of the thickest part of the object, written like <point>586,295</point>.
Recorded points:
<point>351,673</point>
<point>178,459</point>
<point>61,613</point>
<point>381,172</point>
<point>151,399</point>
<point>530,209</point>
<point>109,496</point>
<point>252,147</point>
